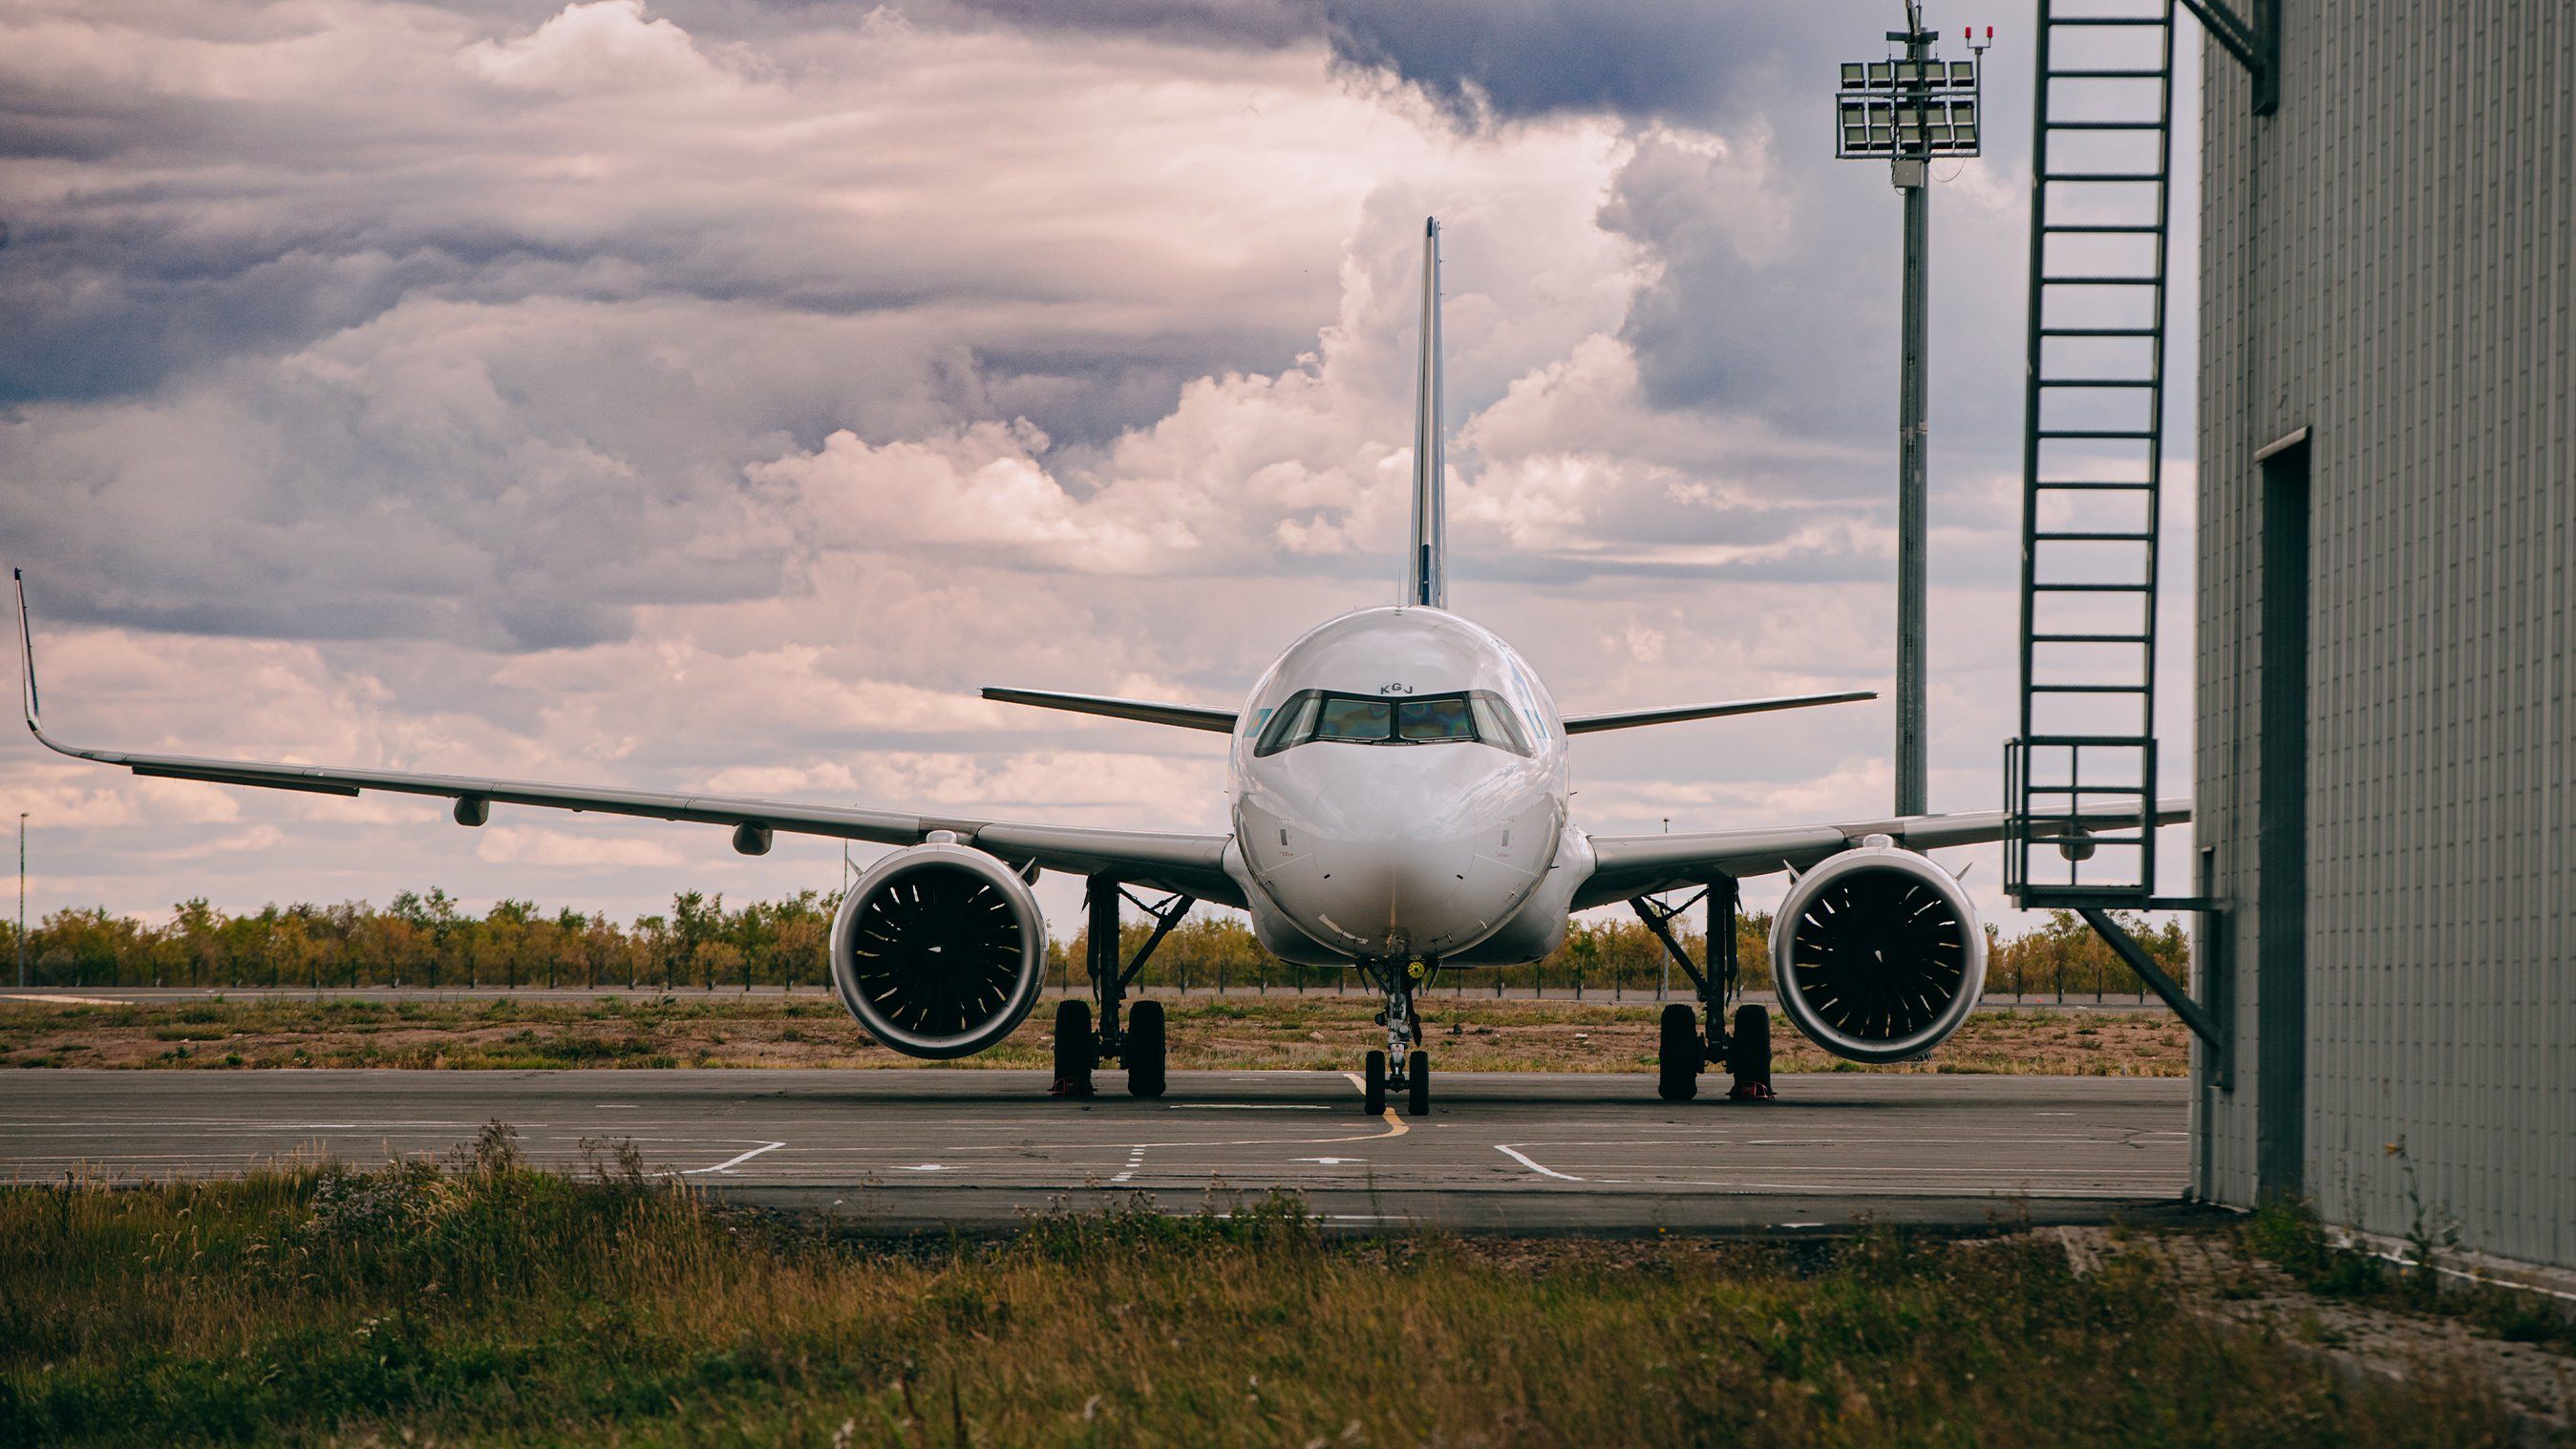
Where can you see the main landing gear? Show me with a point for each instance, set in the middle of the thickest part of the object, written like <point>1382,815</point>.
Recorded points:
<point>1139,1046</point>
<point>1687,1046</point>
<point>1404,1066</point>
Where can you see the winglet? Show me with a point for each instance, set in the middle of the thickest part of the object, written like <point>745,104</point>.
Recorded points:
<point>1427,568</point>
<point>26,658</point>
<point>27,682</point>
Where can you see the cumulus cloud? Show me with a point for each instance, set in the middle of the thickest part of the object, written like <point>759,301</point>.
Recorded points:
<point>708,396</point>
<point>603,47</point>
<point>561,850</point>
<point>980,489</point>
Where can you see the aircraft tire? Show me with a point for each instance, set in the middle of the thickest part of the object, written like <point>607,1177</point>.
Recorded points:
<point>1417,1085</point>
<point>1748,1051</point>
<point>1677,1072</point>
<point>1373,1090</point>
<point>1074,1047</point>
<point>1145,1052</point>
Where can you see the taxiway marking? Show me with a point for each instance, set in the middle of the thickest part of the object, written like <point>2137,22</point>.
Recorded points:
<point>1524,1160</point>
<point>735,1161</point>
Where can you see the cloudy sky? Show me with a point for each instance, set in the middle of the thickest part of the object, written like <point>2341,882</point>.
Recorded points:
<point>712,394</point>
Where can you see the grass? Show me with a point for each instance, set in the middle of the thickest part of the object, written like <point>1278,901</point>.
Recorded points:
<point>2287,1232</point>
<point>1316,1031</point>
<point>482,1302</point>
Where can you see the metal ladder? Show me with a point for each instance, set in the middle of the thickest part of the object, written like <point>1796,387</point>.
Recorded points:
<point>2080,779</point>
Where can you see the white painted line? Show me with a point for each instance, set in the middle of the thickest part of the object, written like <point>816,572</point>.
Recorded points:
<point>1798,1225</point>
<point>920,1167</point>
<point>1329,1161</point>
<point>736,1161</point>
<point>1534,1167</point>
<point>1244,1107</point>
<point>67,1000</point>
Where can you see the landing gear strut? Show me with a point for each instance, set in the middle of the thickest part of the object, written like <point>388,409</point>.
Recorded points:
<point>1403,1066</point>
<point>1688,1045</point>
<point>1139,1045</point>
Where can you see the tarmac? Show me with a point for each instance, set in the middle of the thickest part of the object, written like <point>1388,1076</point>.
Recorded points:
<point>910,1150</point>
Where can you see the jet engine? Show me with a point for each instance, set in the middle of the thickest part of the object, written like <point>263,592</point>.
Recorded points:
<point>1877,954</point>
<point>939,950</point>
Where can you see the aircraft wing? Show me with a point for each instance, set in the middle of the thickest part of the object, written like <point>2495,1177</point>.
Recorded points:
<point>1633,865</point>
<point>1186,716</point>
<point>1191,864</point>
<point>1584,724</point>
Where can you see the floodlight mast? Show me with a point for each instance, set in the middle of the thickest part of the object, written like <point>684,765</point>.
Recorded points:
<point>1909,111</point>
<point>1910,173</point>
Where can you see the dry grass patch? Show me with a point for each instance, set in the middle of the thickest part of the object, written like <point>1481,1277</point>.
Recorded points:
<point>1282,1030</point>
<point>489,1304</point>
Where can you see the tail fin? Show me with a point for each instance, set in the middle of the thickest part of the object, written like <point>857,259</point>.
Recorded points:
<point>1427,568</point>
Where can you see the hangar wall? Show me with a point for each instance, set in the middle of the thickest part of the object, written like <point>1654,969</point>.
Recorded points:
<point>2390,263</point>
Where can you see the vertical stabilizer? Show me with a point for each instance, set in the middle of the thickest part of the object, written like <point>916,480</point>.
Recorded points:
<point>1427,567</point>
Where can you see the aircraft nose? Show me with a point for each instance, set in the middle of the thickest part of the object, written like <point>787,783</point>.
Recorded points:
<point>1389,898</point>
<point>1418,864</point>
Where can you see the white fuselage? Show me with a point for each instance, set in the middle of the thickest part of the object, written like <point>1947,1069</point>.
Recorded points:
<point>1399,792</point>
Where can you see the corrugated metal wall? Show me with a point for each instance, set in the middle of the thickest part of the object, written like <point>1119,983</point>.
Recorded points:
<point>2390,262</point>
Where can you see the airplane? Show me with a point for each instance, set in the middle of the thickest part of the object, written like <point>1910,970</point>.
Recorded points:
<point>1399,787</point>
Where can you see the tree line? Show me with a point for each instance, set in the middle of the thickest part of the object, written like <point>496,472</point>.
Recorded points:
<point>702,944</point>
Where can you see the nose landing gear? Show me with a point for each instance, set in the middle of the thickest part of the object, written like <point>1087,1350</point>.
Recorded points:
<point>1403,1066</point>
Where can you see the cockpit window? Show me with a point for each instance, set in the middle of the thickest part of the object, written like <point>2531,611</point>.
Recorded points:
<point>1496,724</point>
<point>1472,716</point>
<point>1418,721</point>
<point>1345,718</point>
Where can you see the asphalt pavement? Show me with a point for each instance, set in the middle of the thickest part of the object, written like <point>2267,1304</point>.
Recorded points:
<point>912,1149</point>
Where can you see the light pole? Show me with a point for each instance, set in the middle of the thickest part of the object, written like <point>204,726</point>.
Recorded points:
<point>22,899</point>
<point>1908,109</point>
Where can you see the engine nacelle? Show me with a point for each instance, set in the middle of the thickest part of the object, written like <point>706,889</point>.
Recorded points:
<point>1877,954</point>
<point>939,951</point>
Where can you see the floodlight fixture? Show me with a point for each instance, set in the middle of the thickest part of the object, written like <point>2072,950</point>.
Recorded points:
<point>1908,109</point>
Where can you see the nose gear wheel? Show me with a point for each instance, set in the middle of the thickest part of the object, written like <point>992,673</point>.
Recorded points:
<point>1402,1066</point>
